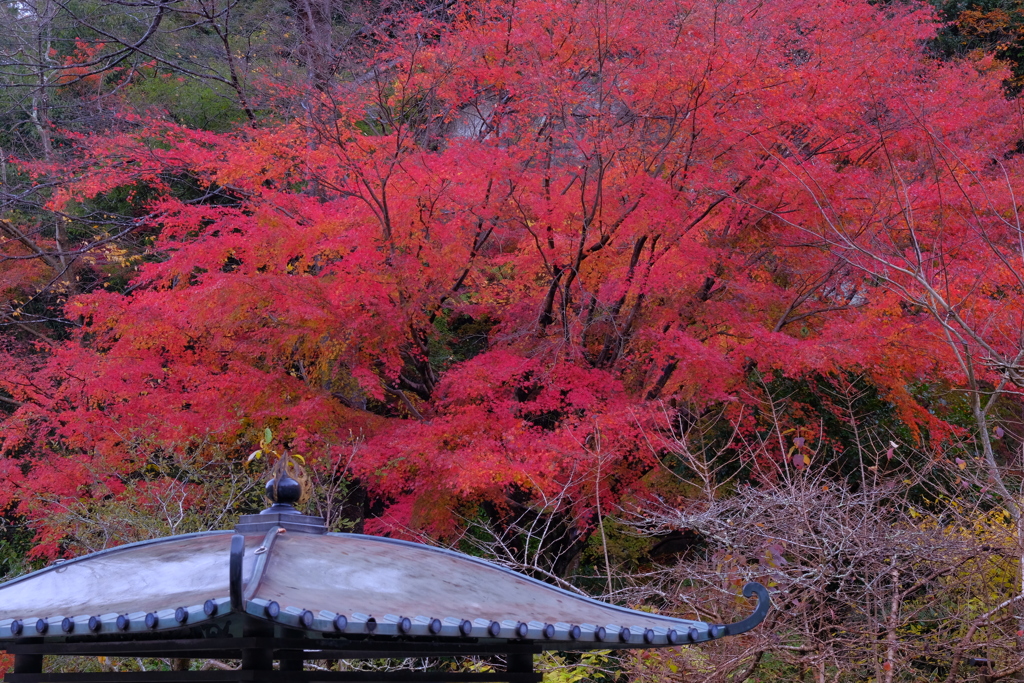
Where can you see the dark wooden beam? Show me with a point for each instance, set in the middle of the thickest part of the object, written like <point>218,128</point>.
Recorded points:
<point>262,676</point>
<point>28,664</point>
<point>307,648</point>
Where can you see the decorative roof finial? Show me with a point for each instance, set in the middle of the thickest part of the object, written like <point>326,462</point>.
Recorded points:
<point>289,485</point>
<point>284,492</point>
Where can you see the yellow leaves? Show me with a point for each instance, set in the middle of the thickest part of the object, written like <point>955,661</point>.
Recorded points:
<point>799,459</point>
<point>118,255</point>
<point>800,453</point>
<point>558,669</point>
<point>473,667</point>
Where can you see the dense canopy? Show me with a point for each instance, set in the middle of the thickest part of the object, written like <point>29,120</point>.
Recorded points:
<point>492,260</point>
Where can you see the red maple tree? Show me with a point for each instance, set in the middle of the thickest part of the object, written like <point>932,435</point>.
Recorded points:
<point>534,228</point>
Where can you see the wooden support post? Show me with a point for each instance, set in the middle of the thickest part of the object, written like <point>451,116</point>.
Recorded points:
<point>257,659</point>
<point>520,664</point>
<point>291,664</point>
<point>28,664</point>
<point>291,660</point>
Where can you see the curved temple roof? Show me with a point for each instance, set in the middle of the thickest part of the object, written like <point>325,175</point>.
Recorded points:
<point>325,584</point>
<point>280,569</point>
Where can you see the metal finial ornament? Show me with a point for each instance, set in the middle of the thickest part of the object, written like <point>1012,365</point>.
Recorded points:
<point>289,485</point>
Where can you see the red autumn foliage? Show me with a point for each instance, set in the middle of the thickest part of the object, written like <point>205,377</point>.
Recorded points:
<point>497,258</point>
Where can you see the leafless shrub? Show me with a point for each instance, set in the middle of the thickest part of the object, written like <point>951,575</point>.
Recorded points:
<point>892,572</point>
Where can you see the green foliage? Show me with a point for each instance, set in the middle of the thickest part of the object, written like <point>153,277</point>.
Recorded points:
<point>593,665</point>
<point>196,104</point>
<point>458,338</point>
<point>627,550</point>
<point>15,542</point>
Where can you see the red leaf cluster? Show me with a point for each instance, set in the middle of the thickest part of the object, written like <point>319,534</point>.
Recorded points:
<point>628,202</point>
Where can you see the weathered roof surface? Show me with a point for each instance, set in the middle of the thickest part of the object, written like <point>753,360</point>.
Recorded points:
<point>325,585</point>
<point>141,577</point>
